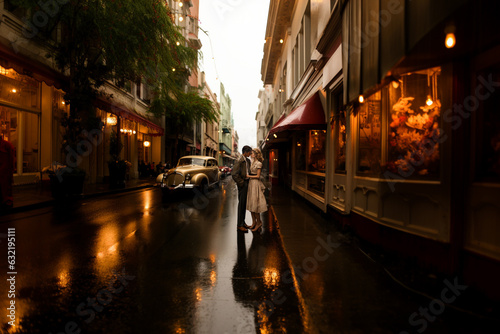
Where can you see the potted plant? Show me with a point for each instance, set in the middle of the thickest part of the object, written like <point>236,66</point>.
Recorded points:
<point>65,182</point>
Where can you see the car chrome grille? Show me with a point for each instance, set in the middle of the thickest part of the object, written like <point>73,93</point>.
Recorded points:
<point>174,179</point>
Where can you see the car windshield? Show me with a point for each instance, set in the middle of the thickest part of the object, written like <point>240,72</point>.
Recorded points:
<point>191,161</point>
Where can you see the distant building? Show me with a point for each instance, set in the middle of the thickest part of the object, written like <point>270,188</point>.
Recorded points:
<point>227,128</point>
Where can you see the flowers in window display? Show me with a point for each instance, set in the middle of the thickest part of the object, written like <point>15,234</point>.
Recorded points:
<point>413,147</point>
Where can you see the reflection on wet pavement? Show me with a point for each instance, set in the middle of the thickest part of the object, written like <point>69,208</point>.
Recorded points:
<point>141,263</point>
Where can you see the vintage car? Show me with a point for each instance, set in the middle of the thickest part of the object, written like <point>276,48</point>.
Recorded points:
<point>192,171</point>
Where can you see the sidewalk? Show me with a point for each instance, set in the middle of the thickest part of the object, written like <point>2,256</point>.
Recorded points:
<point>344,283</point>
<point>27,197</point>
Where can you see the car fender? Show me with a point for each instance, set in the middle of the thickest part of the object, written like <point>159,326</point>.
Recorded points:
<point>198,178</point>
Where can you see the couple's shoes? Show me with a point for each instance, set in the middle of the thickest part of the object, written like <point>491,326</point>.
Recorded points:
<point>242,229</point>
<point>245,228</point>
<point>255,228</point>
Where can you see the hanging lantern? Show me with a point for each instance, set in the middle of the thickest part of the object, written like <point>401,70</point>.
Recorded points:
<point>112,120</point>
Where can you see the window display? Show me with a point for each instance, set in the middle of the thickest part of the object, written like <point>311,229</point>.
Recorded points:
<point>341,139</point>
<point>316,158</point>
<point>414,124</point>
<point>19,89</point>
<point>370,135</point>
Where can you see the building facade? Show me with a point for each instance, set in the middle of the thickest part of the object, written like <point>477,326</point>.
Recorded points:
<point>387,122</point>
<point>32,105</point>
<point>210,138</point>
<point>227,130</point>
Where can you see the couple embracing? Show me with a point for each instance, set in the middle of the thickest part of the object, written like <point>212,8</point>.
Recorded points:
<point>246,173</point>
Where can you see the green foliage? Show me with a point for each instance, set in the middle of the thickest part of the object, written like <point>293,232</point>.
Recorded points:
<point>185,109</point>
<point>115,39</point>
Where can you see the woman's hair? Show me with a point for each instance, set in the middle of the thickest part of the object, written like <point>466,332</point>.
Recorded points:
<point>258,154</point>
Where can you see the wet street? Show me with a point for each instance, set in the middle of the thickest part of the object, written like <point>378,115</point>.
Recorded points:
<point>139,263</point>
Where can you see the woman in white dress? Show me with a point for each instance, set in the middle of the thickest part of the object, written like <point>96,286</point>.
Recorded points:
<point>256,201</point>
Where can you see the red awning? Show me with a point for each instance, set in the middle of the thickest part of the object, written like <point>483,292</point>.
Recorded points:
<point>309,115</point>
<point>155,130</point>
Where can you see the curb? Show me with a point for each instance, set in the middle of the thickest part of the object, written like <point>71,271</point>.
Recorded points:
<point>43,204</point>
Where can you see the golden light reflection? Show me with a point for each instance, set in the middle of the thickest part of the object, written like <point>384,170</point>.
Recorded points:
<point>198,294</point>
<point>63,271</point>
<point>107,256</point>
<point>212,258</point>
<point>213,277</point>
<point>147,198</point>
<point>271,277</point>
<point>63,279</point>
<point>263,319</point>
<point>179,329</point>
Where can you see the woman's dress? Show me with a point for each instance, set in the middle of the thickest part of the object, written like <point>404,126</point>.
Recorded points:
<point>256,201</point>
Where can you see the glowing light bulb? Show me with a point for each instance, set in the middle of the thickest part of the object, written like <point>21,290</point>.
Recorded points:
<point>181,18</point>
<point>429,101</point>
<point>281,40</point>
<point>361,99</point>
<point>450,40</point>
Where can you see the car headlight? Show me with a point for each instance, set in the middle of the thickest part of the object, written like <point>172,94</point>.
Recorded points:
<point>187,178</point>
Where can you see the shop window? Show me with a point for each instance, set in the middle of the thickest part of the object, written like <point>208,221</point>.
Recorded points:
<point>19,89</point>
<point>369,157</point>
<point>338,123</point>
<point>316,159</point>
<point>316,184</point>
<point>31,142</point>
<point>488,143</point>
<point>414,104</point>
<point>8,127</point>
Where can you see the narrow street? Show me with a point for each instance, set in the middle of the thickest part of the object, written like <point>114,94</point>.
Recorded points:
<point>138,262</point>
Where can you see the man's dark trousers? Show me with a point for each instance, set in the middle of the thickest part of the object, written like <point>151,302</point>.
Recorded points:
<point>242,203</point>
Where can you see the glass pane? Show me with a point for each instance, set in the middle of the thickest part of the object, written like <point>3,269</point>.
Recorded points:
<point>415,113</point>
<point>8,127</point>
<point>316,184</point>
<point>19,89</point>
<point>370,135</point>
<point>31,145</point>
<point>341,143</point>
<point>316,160</point>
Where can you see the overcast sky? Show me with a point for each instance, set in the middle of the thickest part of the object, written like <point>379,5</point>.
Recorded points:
<point>237,31</point>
